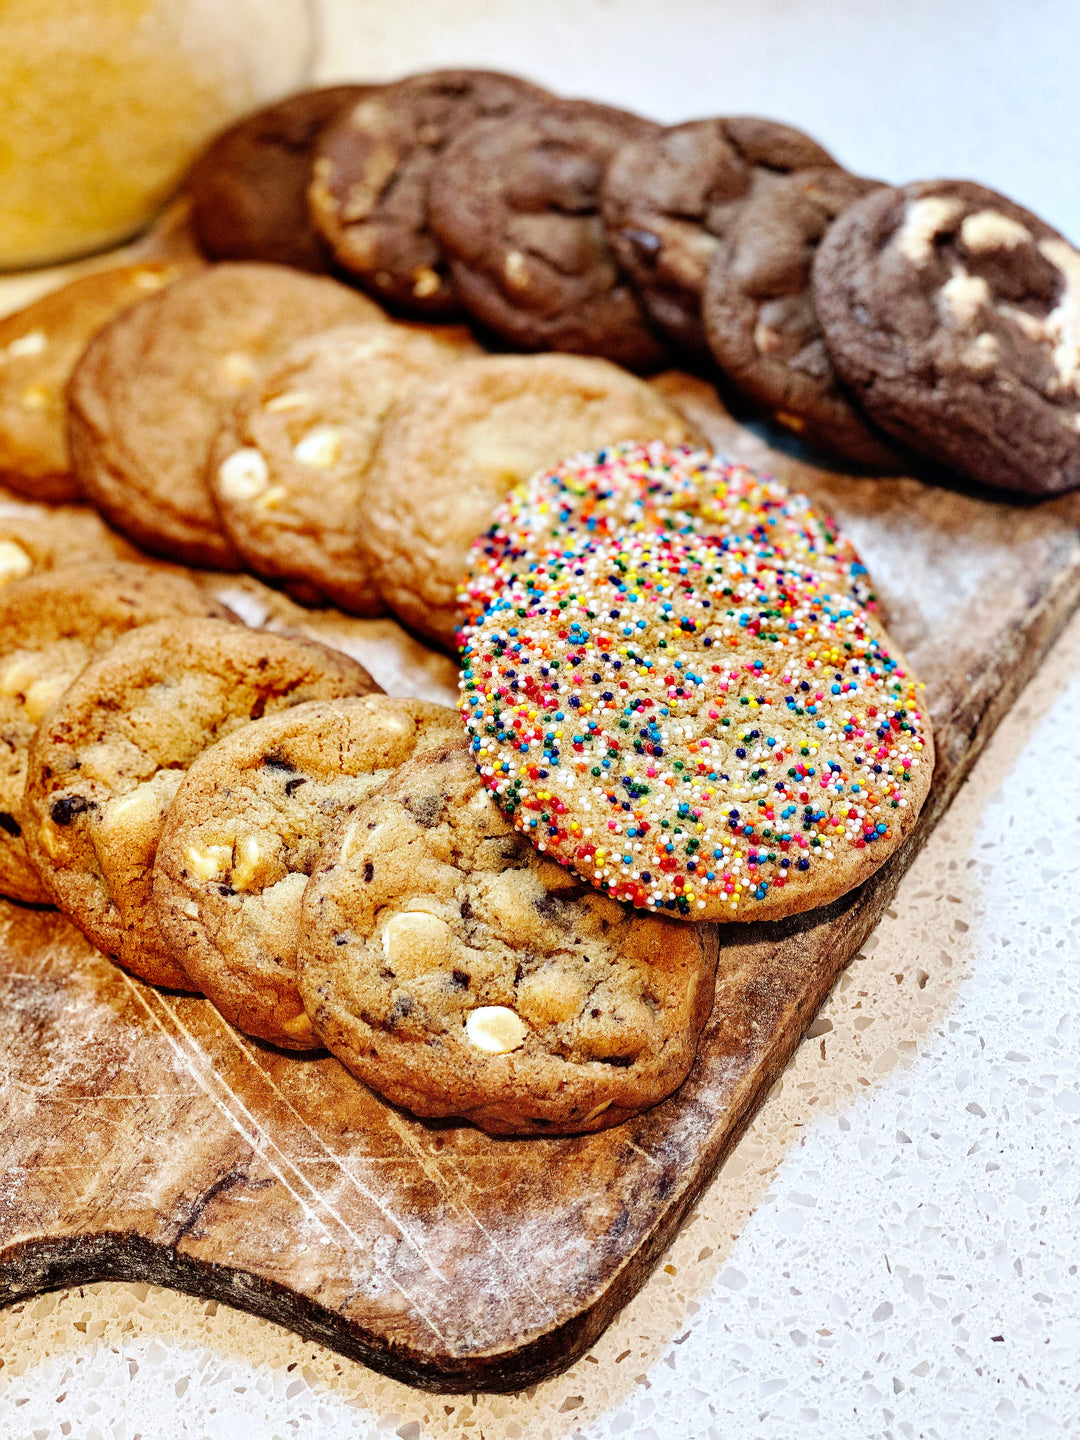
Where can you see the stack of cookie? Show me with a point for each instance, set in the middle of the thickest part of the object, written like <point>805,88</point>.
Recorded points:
<point>945,320</point>
<point>230,811</point>
<point>239,813</point>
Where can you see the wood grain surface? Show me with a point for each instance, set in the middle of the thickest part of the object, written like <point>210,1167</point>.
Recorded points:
<point>142,1138</point>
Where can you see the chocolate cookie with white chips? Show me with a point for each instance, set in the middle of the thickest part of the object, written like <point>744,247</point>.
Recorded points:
<point>954,316</point>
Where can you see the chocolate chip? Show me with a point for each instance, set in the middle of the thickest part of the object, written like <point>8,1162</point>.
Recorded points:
<point>402,1006</point>
<point>425,809</point>
<point>291,786</point>
<point>67,807</point>
<point>459,980</point>
<point>369,872</point>
<point>9,823</point>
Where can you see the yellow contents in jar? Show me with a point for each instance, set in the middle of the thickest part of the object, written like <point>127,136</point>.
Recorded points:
<point>103,103</point>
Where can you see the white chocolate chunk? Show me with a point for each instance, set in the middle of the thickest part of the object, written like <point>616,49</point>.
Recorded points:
<point>516,270</point>
<point>923,220</point>
<point>320,448</point>
<point>208,861</point>
<point>962,296</point>
<point>767,339</point>
<point>32,343</point>
<point>14,561</point>
<point>495,1029</point>
<point>243,474</point>
<point>272,498</point>
<point>300,1028</point>
<point>140,806</point>
<point>43,695</point>
<point>1063,322</point>
<point>34,397</point>
<point>425,282</point>
<point>237,369</point>
<point>983,353</point>
<point>416,940</point>
<point>150,280</point>
<point>991,230</point>
<point>20,673</point>
<point>290,400</point>
<point>247,857</point>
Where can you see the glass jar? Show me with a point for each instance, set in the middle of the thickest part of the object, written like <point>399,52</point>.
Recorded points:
<point>103,103</point>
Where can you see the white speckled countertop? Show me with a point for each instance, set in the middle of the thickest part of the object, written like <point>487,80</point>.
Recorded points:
<point>893,1248</point>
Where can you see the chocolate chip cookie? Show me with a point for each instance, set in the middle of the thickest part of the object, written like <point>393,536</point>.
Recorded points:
<point>459,973</point>
<point>759,315</point>
<point>249,187</point>
<point>243,836</point>
<point>51,627</point>
<point>286,468</point>
<point>369,195</point>
<point>38,350</point>
<point>108,761</point>
<point>515,202</point>
<point>954,316</point>
<point>148,395</point>
<point>670,196</point>
<point>453,447</point>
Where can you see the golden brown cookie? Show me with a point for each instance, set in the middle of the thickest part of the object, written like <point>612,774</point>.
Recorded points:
<point>453,448</point>
<point>286,467</point>
<point>458,972</point>
<point>104,768</point>
<point>372,172</point>
<point>42,537</point>
<point>51,626</point>
<point>38,350</point>
<point>673,687</point>
<point>148,395</point>
<point>243,836</point>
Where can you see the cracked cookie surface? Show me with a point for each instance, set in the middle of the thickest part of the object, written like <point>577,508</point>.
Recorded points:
<point>105,767</point>
<point>460,973</point>
<point>243,835</point>
<point>454,447</point>
<point>954,316</point>
<point>51,626</point>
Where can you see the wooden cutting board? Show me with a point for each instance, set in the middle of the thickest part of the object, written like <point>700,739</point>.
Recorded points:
<point>142,1138</point>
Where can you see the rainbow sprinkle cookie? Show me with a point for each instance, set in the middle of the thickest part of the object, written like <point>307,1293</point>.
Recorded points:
<point>676,685</point>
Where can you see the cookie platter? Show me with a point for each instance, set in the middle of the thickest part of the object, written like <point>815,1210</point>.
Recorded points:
<point>430,1250</point>
<point>443,1255</point>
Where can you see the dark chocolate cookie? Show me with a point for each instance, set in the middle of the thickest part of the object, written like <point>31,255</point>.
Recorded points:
<point>954,315</point>
<point>516,205</point>
<point>249,187</point>
<point>671,195</point>
<point>759,315</point>
<point>369,195</point>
